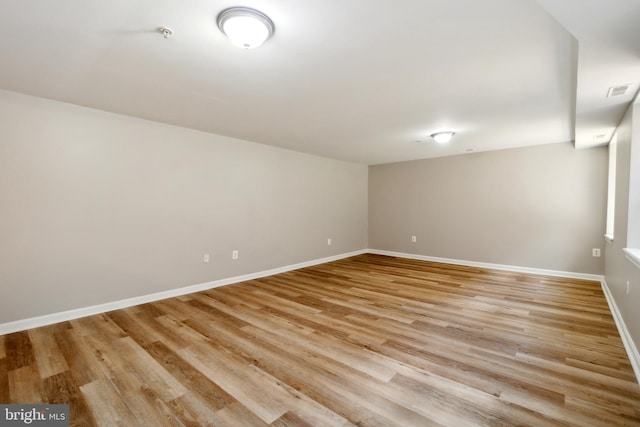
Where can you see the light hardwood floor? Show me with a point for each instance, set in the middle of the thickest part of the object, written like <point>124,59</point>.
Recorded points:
<point>369,340</point>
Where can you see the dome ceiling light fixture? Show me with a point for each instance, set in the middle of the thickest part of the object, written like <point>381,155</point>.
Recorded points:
<point>246,28</point>
<point>442,137</point>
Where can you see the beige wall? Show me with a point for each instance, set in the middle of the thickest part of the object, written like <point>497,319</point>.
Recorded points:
<point>538,207</point>
<point>618,269</point>
<point>98,207</point>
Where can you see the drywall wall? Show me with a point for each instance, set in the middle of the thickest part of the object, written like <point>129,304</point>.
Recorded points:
<point>98,207</point>
<point>618,269</point>
<point>537,207</point>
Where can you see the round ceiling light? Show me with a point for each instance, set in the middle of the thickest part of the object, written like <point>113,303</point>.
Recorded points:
<point>246,28</point>
<point>442,137</point>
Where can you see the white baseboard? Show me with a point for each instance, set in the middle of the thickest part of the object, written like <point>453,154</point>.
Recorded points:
<point>49,319</point>
<point>629,345</point>
<point>527,270</point>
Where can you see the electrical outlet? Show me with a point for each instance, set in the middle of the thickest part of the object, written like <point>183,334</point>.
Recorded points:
<point>235,254</point>
<point>329,241</point>
<point>628,287</point>
<point>595,252</point>
<point>205,258</point>
<point>414,239</point>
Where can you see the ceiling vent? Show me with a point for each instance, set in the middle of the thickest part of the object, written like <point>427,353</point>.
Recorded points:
<point>618,90</point>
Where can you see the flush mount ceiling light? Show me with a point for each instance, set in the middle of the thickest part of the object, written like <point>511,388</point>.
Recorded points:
<point>442,137</point>
<point>246,28</point>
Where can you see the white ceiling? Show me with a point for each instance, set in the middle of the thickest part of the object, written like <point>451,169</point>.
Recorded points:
<point>609,55</point>
<point>358,80</point>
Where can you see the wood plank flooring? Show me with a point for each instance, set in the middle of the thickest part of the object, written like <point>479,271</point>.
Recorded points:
<point>369,340</point>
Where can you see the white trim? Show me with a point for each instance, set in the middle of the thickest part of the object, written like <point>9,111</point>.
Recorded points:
<point>633,255</point>
<point>34,322</point>
<point>609,238</point>
<point>514,268</point>
<point>627,340</point>
<point>49,319</point>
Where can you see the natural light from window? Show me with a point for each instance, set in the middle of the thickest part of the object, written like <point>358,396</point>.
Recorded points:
<point>632,251</point>
<point>611,192</point>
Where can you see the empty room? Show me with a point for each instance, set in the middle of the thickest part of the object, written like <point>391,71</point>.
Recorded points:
<point>320,213</point>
